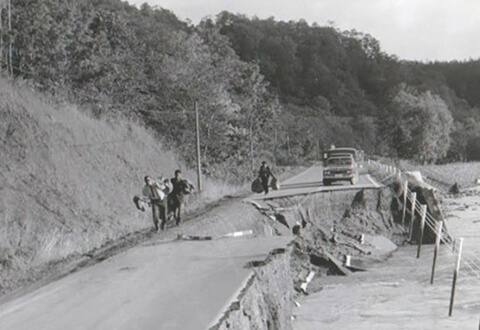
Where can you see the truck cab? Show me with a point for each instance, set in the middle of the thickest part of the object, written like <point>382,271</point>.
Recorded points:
<point>340,165</point>
<point>335,152</point>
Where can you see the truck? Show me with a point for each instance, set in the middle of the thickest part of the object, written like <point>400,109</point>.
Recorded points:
<point>340,164</point>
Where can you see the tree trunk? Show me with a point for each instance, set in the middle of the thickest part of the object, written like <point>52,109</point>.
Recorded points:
<point>209,127</point>
<point>274,148</point>
<point>252,165</point>
<point>288,146</point>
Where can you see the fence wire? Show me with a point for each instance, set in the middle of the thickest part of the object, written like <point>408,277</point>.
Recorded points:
<point>469,259</point>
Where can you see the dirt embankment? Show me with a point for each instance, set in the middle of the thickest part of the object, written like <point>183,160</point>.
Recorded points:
<point>64,181</point>
<point>328,227</point>
<point>266,301</point>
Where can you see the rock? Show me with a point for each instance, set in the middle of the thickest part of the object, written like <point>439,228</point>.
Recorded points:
<point>454,189</point>
<point>427,197</point>
<point>281,218</point>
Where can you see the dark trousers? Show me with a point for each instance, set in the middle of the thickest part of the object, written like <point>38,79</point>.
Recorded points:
<point>159,211</point>
<point>265,184</point>
<point>177,207</point>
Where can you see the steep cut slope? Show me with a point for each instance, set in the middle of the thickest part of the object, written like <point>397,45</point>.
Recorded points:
<point>67,180</point>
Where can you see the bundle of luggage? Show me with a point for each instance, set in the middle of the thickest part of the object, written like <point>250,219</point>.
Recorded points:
<point>257,187</point>
<point>141,203</point>
<point>274,183</point>
<point>185,187</point>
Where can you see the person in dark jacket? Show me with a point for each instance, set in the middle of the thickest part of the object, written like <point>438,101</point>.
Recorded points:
<point>264,174</point>
<point>181,187</point>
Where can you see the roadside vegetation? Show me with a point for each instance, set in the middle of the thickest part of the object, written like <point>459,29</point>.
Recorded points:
<point>67,181</point>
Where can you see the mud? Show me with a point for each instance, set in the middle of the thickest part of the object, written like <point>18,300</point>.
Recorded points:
<point>266,301</point>
<point>326,228</point>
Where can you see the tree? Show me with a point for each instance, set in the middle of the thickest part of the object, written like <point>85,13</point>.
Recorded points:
<point>438,123</point>
<point>473,148</point>
<point>418,125</point>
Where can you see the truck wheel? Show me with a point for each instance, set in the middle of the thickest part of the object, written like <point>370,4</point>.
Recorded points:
<point>326,182</point>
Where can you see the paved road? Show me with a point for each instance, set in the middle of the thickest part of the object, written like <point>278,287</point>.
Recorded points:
<point>310,181</point>
<point>160,285</point>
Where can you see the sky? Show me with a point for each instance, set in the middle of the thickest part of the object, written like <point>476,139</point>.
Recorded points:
<point>421,30</point>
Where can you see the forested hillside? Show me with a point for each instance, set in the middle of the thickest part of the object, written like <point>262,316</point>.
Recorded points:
<point>355,93</point>
<point>265,89</point>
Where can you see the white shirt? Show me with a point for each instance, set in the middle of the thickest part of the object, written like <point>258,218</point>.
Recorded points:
<point>162,189</point>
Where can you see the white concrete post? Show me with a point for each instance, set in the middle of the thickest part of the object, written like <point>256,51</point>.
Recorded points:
<point>348,260</point>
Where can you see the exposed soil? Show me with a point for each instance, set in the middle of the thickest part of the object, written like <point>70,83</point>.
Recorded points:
<point>327,227</point>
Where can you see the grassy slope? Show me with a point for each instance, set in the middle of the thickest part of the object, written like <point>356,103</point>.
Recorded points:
<point>67,180</point>
<point>465,174</point>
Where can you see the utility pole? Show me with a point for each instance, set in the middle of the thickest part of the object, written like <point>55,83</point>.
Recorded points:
<point>1,34</point>
<point>10,36</point>
<point>199,163</point>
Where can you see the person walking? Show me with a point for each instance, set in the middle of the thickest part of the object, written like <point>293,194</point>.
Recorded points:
<point>181,187</point>
<point>157,192</point>
<point>264,174</point>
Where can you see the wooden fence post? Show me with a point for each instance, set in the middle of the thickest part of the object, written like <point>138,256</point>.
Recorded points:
<point>437,247</point>
<point>405,193</point>
<point>423,213</point>
<point>455,275</point>
<point>414,202</point>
